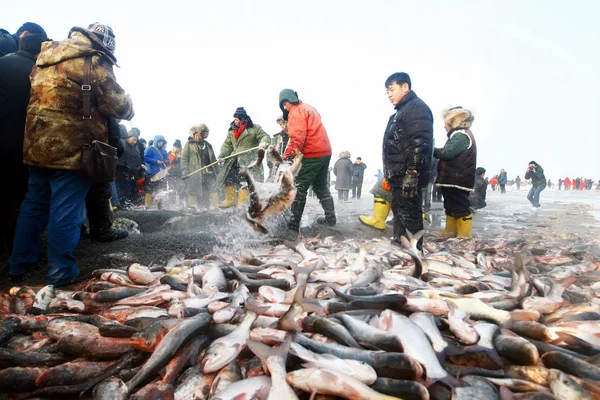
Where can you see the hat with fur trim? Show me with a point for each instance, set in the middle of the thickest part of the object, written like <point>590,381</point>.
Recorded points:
<point>458,117</point>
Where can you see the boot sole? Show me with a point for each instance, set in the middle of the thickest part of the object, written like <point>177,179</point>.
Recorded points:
<point>370,226</point>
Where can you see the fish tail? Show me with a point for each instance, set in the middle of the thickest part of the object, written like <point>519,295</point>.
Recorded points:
<point>263,351</point>
<point>304,270</point>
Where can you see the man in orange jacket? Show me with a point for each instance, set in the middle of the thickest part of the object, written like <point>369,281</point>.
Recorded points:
<point>307,136</point>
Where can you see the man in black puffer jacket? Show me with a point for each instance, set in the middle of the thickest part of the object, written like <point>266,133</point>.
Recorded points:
<point>407,147</point>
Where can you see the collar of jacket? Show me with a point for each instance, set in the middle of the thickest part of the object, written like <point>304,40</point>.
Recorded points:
<point>25,54</point>
<point>454,130</point>
<point>407,97</point>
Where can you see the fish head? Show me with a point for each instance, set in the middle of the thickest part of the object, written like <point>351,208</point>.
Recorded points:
<point>304,379</point>
<point>218,355</point>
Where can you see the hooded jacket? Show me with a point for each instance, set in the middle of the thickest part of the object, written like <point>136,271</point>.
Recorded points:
<point>54,130</point>
<point>458,160</point>
<point>153,154</point>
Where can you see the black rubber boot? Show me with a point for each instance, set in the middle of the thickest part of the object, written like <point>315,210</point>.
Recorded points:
<point>109,235</point>
<point>329,208</point>
<point>99,214</point>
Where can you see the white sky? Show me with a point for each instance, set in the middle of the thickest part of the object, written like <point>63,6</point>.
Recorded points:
<point>528,69</point>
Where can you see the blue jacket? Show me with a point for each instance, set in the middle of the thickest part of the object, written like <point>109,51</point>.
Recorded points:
<point>152,155</point>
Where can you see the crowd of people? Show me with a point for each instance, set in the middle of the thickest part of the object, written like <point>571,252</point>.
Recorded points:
<point>51,136</point>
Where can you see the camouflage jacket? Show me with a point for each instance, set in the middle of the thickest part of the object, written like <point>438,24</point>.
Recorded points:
<point>54,128</point>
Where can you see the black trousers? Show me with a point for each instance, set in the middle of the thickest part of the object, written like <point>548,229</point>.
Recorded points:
<point>408,214</point>
<point>356,188</point>
<point>15,180</point>
<point>456,202</point>
<point>98,207</point>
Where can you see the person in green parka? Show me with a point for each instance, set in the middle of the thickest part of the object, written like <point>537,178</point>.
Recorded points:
<point>198,153</point>
<point>243,135</point>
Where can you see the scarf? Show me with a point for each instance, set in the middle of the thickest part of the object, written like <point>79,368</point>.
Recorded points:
<point>237,132</point>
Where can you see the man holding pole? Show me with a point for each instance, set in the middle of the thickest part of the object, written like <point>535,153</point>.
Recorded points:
<point>243,135</point>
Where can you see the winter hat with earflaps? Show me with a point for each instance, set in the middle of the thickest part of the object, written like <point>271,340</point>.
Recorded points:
<point>105,34</point>
<point>289,95</point>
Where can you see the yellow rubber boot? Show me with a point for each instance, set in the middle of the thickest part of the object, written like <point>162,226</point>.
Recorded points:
<point>464,225</point>
<point>191,201</point>
<point>381,210</point>
<point>450,226</point>
<point>147,199</point>
<point>230,197</point>
<point>214,200</point>
<point>242,196</point>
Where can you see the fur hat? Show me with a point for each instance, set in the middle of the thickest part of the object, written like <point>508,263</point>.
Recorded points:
<point>458,117</point>
<point>345,154</point>
<point>201,129</point>
<point>105,34</point>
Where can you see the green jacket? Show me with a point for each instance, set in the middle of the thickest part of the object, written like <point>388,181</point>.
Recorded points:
<point>192,157</point>
<point>251,137</point>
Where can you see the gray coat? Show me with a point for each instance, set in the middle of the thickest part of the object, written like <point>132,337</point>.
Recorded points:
<point>343,172</point>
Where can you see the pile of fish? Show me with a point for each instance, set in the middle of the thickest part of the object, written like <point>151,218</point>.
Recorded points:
<point>321,318</point>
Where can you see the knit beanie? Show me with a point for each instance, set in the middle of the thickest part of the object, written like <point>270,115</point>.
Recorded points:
<point>479,171</point>
<point>105,34</point>
<point>240,113</point>
<point>177,143</point>
<point>289,95</point>
<point>134,132</point>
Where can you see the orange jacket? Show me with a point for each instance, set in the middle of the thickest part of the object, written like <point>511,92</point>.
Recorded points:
<point>307,133</point>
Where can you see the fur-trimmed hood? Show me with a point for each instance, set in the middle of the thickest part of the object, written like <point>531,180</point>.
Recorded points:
<point>345,154</point>
<point>458,117</point>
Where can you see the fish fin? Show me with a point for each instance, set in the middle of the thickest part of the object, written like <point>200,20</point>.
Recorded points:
<point>313,395</point>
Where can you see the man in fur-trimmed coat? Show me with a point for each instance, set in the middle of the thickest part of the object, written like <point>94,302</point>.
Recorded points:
<point>456,170</point>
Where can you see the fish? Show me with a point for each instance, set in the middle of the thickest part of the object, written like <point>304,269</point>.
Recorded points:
<point>367,334</point>
<point>225,349</point>
<point>315,380</point>
<point>141,275</point>
<point>19,379</point>
<point>70,373</point>
<point>416,345</point>
<point>110,389</point>
<point>571,365</point>
<point>465,332</point>
<point>479,388</point>
<point>42,299</point>
<point>274,361</point>
<point>172,341</point>
<point>256,387</point>
<point>564,387</point>
<point>225,377</point>
<point>358,370</point>
<point>400,388</point>
<point>515,348</point>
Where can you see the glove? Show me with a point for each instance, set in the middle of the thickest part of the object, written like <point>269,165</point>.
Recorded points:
<point>385,185</point>
<point>410,185</point>
<point>221,161</point>
<point>265,146</point>
<point>184,172</point>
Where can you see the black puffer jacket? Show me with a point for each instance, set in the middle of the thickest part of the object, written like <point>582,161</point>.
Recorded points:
<point>14,96</point>
<point>408,140</point>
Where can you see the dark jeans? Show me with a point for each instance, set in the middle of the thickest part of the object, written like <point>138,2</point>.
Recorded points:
<point>456,202</point>
<point>356,188</point>
<point>313,172</point>
<point>534,195</point>
<point>502,188</point>
<point>56,199</point>
<point>408,214</point>
<point>127,190</point>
